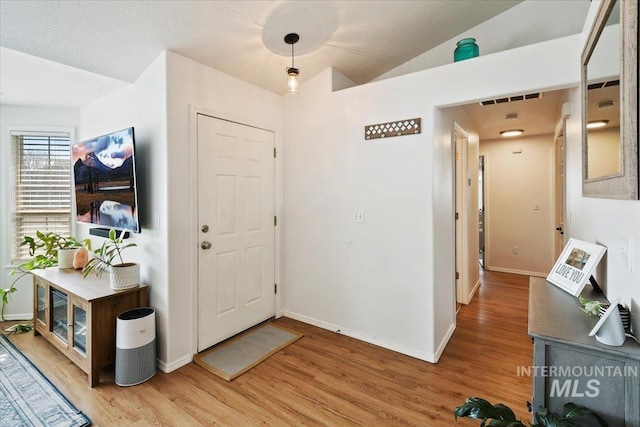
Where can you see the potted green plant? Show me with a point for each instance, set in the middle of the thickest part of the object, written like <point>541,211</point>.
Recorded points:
<point>47,249</point>
<point>109,257</point>
<point>502,416</point>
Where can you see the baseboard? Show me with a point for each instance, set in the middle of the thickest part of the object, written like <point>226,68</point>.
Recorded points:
<point>23,317</point>
<point>360,336</point>
<point>513,271</point>
<point>176,364</point>
<point>474,290</point>
<point>444,342</point>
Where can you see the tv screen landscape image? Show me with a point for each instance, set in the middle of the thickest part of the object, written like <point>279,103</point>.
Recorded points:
<point>104,177</point>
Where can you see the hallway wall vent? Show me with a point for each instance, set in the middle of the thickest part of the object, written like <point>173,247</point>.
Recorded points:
<point>503,100</point>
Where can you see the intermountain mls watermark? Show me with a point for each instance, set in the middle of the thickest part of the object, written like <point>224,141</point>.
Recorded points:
<point>577,381</point>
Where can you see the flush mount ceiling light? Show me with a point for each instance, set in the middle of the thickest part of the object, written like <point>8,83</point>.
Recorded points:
<point>292,72</point>
<point>511,132</point>
<point>597,124</point>
<point>606,104</point>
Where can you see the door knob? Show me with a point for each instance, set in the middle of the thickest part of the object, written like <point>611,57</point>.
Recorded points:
<point>205,245</point>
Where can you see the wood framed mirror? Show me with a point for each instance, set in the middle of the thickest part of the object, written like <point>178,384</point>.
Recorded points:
<point>610,96</point>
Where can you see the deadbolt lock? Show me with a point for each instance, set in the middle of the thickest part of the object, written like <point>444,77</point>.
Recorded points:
<point>204,228</point>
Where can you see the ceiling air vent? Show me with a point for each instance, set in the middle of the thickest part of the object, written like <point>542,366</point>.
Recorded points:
<point>514,98</point>
<point>604,84</point>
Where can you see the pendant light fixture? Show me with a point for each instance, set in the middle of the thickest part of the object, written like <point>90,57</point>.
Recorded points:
<point>292,72</point>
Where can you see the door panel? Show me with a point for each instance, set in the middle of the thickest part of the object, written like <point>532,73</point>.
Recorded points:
<point>236,273</point>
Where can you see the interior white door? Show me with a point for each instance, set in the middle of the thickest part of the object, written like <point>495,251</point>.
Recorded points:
<point>236,258</point>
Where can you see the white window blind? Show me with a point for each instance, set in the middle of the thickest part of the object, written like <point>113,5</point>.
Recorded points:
<point>41,187</point>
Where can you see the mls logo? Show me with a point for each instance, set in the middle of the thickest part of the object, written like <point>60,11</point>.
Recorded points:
<point>572,388</point>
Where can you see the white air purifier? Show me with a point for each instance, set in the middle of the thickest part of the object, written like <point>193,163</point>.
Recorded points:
<point>135,346</point>
<point>609,330</point>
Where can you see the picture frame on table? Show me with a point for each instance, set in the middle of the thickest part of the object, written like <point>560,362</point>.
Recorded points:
<point>575,265</point>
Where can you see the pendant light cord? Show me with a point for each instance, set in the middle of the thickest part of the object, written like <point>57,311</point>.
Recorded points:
<point>292,57</point>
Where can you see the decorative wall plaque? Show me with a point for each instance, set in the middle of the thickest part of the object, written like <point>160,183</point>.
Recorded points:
<point>398,128</point>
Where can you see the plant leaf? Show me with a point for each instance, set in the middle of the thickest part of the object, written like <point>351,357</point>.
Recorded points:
<point>478,408</point>
<point>571,411</point>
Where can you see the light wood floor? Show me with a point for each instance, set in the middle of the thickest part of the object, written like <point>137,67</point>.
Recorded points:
<point>325,378</point>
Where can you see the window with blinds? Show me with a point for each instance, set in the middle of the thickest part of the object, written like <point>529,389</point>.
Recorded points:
<point>41,187</point>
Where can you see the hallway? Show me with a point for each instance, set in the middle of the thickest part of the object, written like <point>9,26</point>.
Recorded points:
<point>491,342</point>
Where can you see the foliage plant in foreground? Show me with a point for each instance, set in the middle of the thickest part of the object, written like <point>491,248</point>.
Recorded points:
<point>500,415</point>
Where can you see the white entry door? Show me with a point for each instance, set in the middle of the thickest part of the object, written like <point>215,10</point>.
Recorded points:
<point>236,261</point>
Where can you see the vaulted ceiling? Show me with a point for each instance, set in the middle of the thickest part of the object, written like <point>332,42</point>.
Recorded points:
<point>68,53</point>
<point>245,39</point>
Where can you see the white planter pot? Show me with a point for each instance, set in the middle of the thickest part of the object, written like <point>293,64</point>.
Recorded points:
<point>124,276</point>
<point>65,257</point>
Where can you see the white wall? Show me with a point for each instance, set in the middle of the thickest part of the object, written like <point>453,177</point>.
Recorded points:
<point>340,274</point>
<point>603,221</point>
<point>194,87</point>
<point>25,118</point>
<point>514,183</point>
<point>443,224</point>
<point>379,280</point>
<point>142,105</point>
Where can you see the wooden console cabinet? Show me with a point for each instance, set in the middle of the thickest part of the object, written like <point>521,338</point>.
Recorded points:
<point>78,315</point>
<point>571,366</point>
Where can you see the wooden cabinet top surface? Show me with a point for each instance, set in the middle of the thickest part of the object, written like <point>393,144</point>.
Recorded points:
<point>89,289</point>
<point>556,316</point>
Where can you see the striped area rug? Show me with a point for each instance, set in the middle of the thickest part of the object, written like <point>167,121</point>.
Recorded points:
<point>27,398</point>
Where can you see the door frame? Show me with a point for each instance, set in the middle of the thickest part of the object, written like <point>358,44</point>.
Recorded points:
<point>464,261</point>
<point>481,202</point>
<point>460,140</point>
<point>194,111</point>
<point>487,210</point>
<point>560,134</point>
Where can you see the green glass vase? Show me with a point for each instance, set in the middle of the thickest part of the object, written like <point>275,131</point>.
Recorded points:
<point>466,48</point>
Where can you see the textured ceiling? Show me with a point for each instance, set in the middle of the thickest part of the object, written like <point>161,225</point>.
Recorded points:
<point>119,39</point>
<point>535,116</point>
<point>70,53</point>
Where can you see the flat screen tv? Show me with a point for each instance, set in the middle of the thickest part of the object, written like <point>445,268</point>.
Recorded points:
<point>104,177</point>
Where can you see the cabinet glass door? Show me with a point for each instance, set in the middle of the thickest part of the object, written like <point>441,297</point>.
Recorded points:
<point>79,329</point>
<point>59,314</point>
<point>41,302</point>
